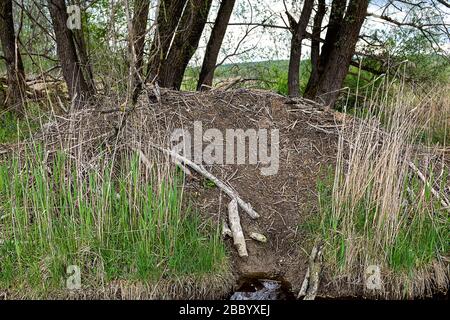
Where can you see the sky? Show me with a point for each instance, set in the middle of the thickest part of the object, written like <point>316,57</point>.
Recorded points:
<point>273,44</point>
<point>269,43</point>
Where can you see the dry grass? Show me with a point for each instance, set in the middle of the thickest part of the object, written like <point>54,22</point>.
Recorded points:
<point>435,117</point>
<point>378,212</point>
<point>187,287</point>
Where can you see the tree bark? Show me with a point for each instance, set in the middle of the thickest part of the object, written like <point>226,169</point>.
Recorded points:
<point>214,44</point>
<point>139,30</point>
<point>336,19</point>
<point>14,65</point>
<point>85,62</point>
<point>336,66</point>
<point>298,34</point>
<point>79,89</point>
<point>315,43</point>
<point>82,51</point>
<point>185,43</point>
<point>169,14</point>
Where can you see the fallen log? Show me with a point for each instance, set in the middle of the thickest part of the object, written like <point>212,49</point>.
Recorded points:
<point>236,229</point>
<point>226,231</point>
<point>310,283</point>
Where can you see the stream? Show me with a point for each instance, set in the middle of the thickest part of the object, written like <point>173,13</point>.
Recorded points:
<point>261,286</point>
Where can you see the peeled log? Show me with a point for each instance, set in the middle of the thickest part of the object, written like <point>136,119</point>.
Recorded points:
<point>236,229</point>
<point>226,231</point>
<point>258,237</point>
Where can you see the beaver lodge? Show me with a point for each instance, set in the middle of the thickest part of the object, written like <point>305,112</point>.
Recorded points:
<point>355,207</point>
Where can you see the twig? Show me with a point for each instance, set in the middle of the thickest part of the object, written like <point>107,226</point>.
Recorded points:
<point>422,177</point>
<point>148,164</point>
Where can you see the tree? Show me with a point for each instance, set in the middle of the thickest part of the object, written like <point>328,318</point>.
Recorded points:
<point>334,24</point>
<point>169,14</point>
<point>214,44</point>
<point>338,50</point>
<point>11,55</point>
<point>185,42</point>
<point>79,88</point>
<point>138,32</point>
<point>82,51</point>
<point>315,42</point>
<point>298,30</point>
<point>419,39</point>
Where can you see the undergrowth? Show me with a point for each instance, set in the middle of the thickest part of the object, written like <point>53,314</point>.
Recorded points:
<point>14,128</point>
<point>375,210</point>
<point>113,223</point>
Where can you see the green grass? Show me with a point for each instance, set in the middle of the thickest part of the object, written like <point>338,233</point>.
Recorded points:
<point>120,225</point>
<point>13,128</point>
<point>435,136</point>
<point>423,235</point>
<point>268,75</point>
<point>374,209</point>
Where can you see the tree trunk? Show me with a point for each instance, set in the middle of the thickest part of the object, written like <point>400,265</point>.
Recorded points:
<point>85,63</point>
<point>336,67</point>
<point>185,43</point>
<point>82,51</point>
<point>334,25</point>
<point>298,34</point>
<point>79,89</point>
<point>214,44</point>
<point>294,67</point>
<point>139,30</point>
<point>14,66</point>
<point>315,43</point>
<point>169,14</point>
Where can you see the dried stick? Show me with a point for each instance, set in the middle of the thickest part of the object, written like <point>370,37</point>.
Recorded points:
<point>148,164</point>
<point>222,186</point>
<point>226,231</point>
<point>310,284</point>
<point>422,177</point>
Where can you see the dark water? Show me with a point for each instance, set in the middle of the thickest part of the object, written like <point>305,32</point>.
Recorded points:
<point>261,286</point>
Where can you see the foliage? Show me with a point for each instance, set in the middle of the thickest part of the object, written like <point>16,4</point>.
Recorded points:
<point>268,75</point>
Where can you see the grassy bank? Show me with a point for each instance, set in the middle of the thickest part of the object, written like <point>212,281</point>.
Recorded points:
<point>375,210</point>
<point>115,220</point>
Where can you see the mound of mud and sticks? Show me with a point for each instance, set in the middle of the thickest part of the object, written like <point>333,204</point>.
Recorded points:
<point>284,199</point>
